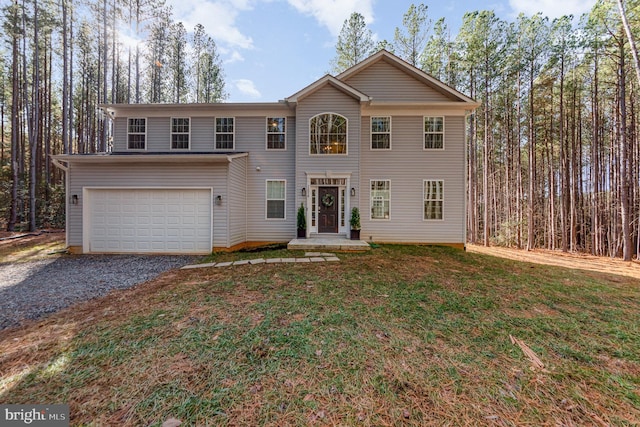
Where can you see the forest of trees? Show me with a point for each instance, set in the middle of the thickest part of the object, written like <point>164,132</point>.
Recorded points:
<point>553,158</point>
<point>59,61</point>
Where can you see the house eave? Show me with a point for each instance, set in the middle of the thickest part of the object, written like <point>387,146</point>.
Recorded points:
<point>197,109</point>
<point>118,158</point>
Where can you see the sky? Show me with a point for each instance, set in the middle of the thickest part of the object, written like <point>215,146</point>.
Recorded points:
<point>270,49</point>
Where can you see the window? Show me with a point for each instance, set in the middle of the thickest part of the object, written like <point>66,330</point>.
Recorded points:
<point>137,134</point>
<point>180,133</point>
<point>380,133</point>
<point>433,133</point>
<point>433,198</point>
<point>380,196</point>
<point>275,199</point>
<point>328,134</point>
<point>275,133</point>
<point>224,133</point>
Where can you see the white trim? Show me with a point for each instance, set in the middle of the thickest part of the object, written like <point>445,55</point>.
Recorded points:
<point>371,218</point>
<point>266,199</point>
<point>86,208</point>
<point>424,181</point>
<point>215,133</point>
<point>346,153</point>
<point>171,133</point>
<point>424,132</point>
<point>267,133</point>
<point>146,126</point>
<point>379,133</point>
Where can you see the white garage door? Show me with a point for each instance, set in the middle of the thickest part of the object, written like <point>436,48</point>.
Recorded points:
<point>148,220</point>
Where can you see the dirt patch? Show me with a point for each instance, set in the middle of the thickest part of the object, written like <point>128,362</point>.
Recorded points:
<point>564,259</point>
<point>20,246</point>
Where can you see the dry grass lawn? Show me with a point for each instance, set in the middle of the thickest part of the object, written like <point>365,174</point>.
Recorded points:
<point>399,336</point>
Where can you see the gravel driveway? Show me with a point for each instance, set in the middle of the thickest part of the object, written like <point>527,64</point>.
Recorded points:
<point>32,289</point>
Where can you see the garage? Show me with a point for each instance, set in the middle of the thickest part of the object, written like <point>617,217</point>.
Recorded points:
<point>147,220</point>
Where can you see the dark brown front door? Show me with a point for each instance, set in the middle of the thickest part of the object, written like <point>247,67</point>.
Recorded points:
<point>328,210</point>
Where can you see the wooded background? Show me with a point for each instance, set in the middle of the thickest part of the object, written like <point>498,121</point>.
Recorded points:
<point>553,159</point>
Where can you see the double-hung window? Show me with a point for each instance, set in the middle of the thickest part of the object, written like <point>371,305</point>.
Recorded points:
<point>276,199</point>
<point>380,133</point>
<point>433,199</point>
<point>224,133</point>
<point>433,133</point>
<point>180,133</point>
<point>136,134</point>
<point>380,199</point>
<point>276,133</point>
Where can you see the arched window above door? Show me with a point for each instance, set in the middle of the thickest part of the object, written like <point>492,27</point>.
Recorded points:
<point>328,134</point>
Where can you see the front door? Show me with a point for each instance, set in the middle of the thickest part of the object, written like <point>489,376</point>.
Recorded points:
<point>328,210</point>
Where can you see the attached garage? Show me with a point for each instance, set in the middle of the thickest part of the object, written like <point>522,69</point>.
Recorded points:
<point>147,220</point>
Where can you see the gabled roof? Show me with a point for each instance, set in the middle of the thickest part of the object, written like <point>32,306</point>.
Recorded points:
<point>416,73</point>
<point>328,80</point>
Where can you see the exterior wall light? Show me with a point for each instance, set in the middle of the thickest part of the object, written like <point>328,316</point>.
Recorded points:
<point>74,199</point>
<point>218,200</point>
<point>353,192</point>
<point>304,191</point>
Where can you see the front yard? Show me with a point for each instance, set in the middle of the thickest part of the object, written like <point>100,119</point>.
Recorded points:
<point>402,335</point>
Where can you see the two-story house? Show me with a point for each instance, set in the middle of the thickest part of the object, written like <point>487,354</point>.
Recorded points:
<point>383,136</point>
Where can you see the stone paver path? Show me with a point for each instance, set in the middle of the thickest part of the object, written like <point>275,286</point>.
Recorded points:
<point>308,257</point>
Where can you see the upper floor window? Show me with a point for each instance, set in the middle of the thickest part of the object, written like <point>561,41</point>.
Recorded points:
<point>137,134</point>
<point>224,133</point>
<point>434,133</point>
<point>276,133</point>
<point>433,199</point>
<point>180,133</point>
<point>380,198</point>
<point>328,134</point>
<point>380,133</point>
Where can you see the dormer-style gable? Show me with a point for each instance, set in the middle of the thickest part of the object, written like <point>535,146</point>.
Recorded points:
<point>322,83</point>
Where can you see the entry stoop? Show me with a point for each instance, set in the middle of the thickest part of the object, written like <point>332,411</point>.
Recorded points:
<point>329,243</point>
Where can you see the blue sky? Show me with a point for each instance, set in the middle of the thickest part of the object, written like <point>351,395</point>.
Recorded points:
<point>272,48</point>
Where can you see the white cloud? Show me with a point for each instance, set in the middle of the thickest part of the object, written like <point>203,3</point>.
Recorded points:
<point>247,87</point>
<point>333,13</point>
<point>552,8</point>
<point>218,18</point>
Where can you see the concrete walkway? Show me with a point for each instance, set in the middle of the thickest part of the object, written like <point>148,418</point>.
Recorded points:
<point>329,243</point>
<point>308,257</point>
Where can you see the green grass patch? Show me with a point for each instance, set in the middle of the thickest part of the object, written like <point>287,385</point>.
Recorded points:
<point>402,335</point>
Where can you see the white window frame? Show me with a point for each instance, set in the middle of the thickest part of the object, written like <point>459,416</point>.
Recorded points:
<point>267,199</point>
<point>216,133</point>
<point>425,133</point>
<point>424,199</point>
<point>283,133</point>
<point>346,135</point>
<point>137,133</point>
<point>371,147</point>
<point>171,133</point>
<point>371,200</point>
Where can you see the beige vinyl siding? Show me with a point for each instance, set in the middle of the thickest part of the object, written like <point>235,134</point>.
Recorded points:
<point>237,201</point>
<point>273,164</point>
<point>384,82</point>
<point>130,175</point>
<point>327,100</point>
<point>407,165</point>
<point>202,134</point>
<point>120,134</point>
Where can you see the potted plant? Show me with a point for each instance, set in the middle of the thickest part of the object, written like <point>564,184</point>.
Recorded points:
<point>355,224</point>
<point>302,223</point>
